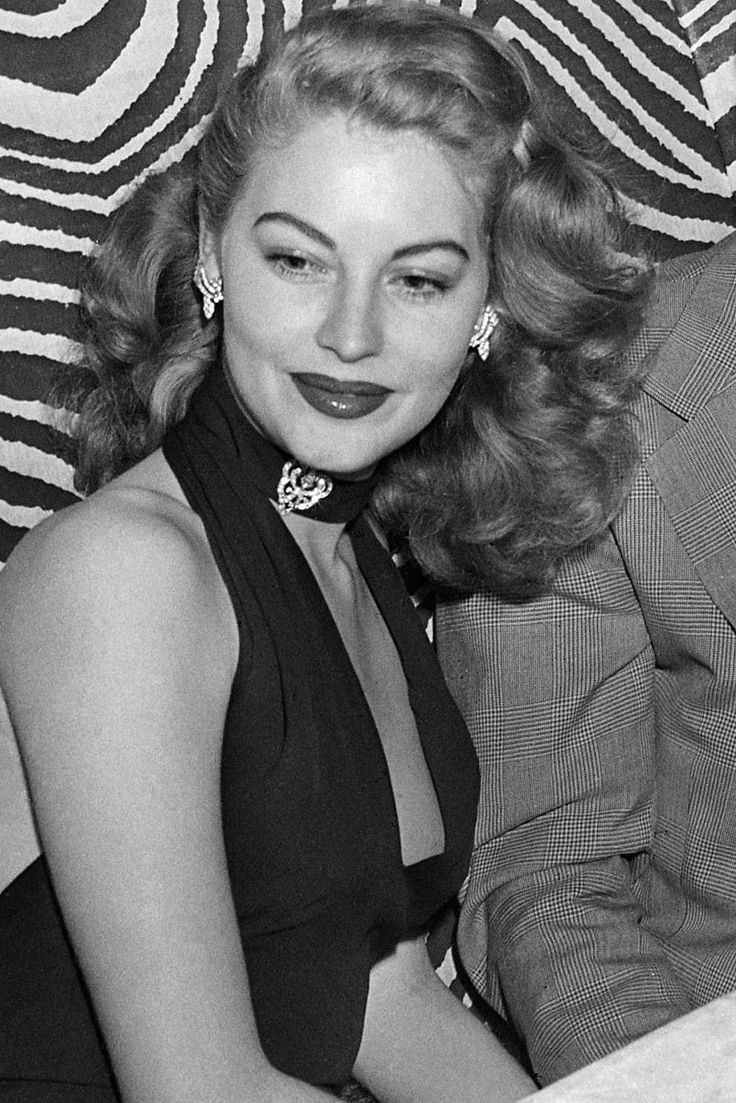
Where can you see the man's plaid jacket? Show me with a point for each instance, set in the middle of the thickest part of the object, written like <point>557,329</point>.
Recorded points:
<point>602,895</point>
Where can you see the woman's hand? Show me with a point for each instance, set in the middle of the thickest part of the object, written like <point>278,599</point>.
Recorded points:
<point>421,1045</point>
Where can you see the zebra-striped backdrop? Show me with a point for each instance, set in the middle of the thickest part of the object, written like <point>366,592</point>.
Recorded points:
<point>96,93</point>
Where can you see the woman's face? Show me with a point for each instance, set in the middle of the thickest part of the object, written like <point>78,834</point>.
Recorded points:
<point>354,270</point>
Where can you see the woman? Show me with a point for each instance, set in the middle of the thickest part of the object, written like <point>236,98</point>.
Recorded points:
<point>252,788</point>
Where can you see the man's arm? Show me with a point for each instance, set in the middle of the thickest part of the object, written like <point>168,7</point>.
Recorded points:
<point>558,695</point>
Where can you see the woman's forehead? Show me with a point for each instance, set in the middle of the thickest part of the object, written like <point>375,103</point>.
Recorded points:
<point>338,164</point>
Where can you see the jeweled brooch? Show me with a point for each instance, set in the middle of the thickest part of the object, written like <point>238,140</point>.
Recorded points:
<point>300,488</point>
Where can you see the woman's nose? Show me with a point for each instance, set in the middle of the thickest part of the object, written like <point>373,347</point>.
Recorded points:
<point>351,327</point>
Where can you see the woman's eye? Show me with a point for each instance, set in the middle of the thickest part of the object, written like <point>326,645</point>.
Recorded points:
<point>422,287</point>
<point>293,266</point>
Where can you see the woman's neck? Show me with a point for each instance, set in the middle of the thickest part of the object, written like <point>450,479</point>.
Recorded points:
<point>322,543</point>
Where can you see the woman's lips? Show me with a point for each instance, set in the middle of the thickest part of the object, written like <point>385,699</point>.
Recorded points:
<point>349,398</point>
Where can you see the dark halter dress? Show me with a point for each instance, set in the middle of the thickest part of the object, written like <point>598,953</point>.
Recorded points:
<point>309,819</point>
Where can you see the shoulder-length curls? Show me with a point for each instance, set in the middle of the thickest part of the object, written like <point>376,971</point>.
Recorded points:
<point>531,453</point>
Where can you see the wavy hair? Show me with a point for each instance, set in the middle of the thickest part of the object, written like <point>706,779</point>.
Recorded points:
<point>531,454</point>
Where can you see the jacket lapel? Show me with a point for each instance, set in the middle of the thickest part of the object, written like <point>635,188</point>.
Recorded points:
<point>693,374</point>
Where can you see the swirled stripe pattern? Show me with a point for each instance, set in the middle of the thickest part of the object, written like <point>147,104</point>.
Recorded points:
<point>94,94</point>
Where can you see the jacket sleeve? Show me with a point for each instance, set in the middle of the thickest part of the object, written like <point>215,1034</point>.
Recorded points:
<point>558,695</point>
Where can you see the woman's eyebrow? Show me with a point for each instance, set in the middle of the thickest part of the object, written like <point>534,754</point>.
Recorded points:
<point>323,239</point>
<point>430,246</point>
<point>304,227</point>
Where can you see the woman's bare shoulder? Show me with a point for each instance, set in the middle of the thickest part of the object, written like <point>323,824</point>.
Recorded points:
<point>131,552</point>
<point>132,523</point>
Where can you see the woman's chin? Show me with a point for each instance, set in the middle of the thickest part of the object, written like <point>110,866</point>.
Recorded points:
<point>347,475</point>
<point>343,468</point>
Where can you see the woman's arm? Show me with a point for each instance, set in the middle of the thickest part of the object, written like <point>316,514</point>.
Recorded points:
<point>118,656</point>
<point>421,1045</point>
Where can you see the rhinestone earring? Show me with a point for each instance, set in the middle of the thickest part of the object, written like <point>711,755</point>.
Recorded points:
<point>210,290</point>
<point>482,332</point>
